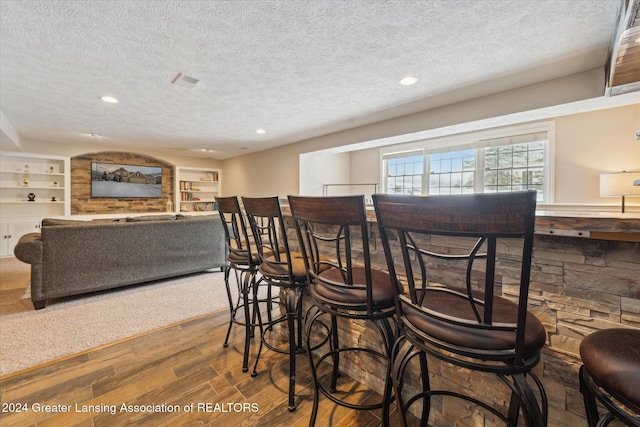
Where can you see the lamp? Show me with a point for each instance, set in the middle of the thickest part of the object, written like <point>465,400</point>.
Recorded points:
<point>620,184</point>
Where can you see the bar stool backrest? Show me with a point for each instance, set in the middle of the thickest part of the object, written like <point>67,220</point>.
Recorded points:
<point>439,245</point>
<point>235,228</point>
<point>332,232</point>
<point>270,235</point>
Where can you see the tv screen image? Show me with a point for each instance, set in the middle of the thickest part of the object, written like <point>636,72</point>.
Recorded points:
<point>125,181</point>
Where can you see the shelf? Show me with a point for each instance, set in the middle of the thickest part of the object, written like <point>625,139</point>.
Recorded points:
<point>201,183</point>
<point>36,202</point>
<point>32,187</point>
<point>199,186</point>
<point>207,200</point>
<point>44,171</point>
<point>32,173</point>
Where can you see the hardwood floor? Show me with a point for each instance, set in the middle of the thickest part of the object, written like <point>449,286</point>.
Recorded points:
<point>181,366</point>
<point>14,279</point>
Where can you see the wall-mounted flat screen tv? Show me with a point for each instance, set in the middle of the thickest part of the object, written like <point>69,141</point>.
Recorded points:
<point>125,181</point>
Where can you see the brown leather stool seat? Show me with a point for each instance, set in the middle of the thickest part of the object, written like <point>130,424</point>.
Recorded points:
<point>242,258</point>
<point>280,269</point>
<point>611,373</point>
<point>333,237</point>
<point>462,336</point>
<point>451,305</point>
<point>356,296</point>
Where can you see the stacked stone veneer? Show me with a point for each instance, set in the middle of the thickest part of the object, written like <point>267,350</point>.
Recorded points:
<point>578,286</point>
<point>83,204</point>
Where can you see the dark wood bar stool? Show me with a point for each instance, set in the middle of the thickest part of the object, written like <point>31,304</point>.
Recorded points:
<point>611,374</point>
<point>331,232</point>
<point>244,261</point>
<point>452,308</point>
<point>281,268</point>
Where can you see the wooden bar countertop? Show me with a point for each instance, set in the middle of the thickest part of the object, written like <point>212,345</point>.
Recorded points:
<point>593,225</point>
<point>590,225</point>
<point>582,224</point>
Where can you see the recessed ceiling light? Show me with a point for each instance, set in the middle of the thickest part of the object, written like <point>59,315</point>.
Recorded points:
<point>261,131</point>
<point>109,99</point>
<point>408,81</point>
<point>93,135</point>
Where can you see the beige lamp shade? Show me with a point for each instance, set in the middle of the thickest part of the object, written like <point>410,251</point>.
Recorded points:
<point>620,184</point>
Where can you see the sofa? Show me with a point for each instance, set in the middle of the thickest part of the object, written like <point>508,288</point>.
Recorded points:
<point>72,257</point>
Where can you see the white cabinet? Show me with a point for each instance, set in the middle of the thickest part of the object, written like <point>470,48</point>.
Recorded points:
<point>196,188</point>
<point>12,229</point>
<point>34,185</point>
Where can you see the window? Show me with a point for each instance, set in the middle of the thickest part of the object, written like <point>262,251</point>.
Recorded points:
<point>501,161</point>
<point>452,172</point>
<point>404,174</point>
<point>514,167</point>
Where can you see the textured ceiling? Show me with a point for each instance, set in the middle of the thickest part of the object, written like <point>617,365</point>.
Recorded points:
<point>296,68</point>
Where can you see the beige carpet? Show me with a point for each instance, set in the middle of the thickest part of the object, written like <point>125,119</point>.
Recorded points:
<point>68,327</point>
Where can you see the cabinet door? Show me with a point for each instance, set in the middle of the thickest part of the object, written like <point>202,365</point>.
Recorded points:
<point>12,231</point>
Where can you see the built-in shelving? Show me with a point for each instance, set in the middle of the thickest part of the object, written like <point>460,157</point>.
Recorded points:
<point>32,187</point>
<point>196,188</point>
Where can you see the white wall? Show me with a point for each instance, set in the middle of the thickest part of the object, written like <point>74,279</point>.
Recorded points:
<point>365,169</point>
<point>318,169</point>
<point>592,143</point>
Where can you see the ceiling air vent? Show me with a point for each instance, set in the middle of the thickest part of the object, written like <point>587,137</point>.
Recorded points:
<point>185,81</point>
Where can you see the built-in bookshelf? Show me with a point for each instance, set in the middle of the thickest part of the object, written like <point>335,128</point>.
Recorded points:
<point>32,187</point>
<point>196,188</point>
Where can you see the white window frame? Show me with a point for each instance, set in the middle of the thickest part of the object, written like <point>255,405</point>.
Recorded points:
<point>413,153</point>
<point>475,140</point>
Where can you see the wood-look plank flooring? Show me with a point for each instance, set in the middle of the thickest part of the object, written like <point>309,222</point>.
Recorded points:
<point>180,365</point>
<point>14,278</point>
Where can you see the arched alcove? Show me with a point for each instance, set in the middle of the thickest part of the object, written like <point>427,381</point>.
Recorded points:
<point>82,203</point>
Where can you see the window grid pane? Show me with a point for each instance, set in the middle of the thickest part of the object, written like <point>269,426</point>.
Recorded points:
<point>514,168</point>
<point>452,172</point>
<point>404,175</point>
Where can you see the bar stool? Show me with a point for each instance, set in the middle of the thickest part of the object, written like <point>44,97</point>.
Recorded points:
<point>244,261</point>
<point>611,374</point>
<point>331,232</point>
<point>452,309</point>
<point>282,268</point>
